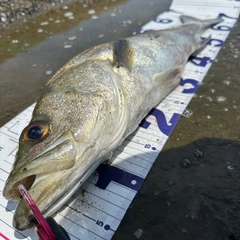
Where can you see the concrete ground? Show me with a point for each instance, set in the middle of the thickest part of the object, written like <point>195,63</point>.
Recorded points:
<point>193,189</point>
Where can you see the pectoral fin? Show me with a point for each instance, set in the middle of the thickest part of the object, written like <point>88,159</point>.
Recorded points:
<point>123,54</point>
<point>169,80</point>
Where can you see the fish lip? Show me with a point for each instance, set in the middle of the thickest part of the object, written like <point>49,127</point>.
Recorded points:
<point>11,191</point>
<point>26,220</point>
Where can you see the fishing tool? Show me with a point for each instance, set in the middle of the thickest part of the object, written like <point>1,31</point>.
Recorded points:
<point>46,229</point>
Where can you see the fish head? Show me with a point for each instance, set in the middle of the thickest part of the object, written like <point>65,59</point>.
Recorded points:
<point>45,158</point>
<point>57,150</point>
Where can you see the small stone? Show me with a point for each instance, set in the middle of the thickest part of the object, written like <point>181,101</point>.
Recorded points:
<point>187,113</point>
<point>230,167</point>
<point>48,72</point>
<point>226,82</point>
<point>156,192</point>
<point>212,90</point>
<point>91,11</point>
<point>3,17</point>
<point>101,36</point>
<point>138,233</point>
<point>198,153</point>
<point>184,230</point>
<point>68,14</point>
<point>72,38</point>
<point>186,162</point>
<point>170,183</point>
<point>67,46</point>
<point>44,23</point>
<point>221,99</point>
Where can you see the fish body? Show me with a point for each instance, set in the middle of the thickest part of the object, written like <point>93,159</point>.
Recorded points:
<point>90,106</point>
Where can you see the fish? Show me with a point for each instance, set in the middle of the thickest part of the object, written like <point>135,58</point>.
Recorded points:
<point>90,106</point>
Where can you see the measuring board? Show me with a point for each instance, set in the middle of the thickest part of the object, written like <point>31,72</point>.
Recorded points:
<point>99,206</point>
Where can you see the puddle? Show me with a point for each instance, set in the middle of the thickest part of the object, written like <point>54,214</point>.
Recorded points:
<point>31,50</point>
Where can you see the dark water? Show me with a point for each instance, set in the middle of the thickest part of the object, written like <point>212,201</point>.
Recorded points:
<point>193,189</point>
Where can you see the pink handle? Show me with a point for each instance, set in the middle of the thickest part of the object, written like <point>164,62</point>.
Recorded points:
<point>38,215</point>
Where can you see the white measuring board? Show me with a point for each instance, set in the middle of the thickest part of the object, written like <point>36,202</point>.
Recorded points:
<point>99,206</point>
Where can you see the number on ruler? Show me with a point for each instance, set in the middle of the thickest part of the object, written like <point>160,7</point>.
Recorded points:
<point>193,83</point>
<point>214,42</point>
<point>221,15</point>
<point>101,224</point>
<point>200,61</point>
<point>164,126</point>
<point>148,146</point>
<point>222,27</point>
<point>1,148</point>
<point>162,20</point>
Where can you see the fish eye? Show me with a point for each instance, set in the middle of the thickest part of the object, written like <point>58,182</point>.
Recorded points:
<point>35,131</point>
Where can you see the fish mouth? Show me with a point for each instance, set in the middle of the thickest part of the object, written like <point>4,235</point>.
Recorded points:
<point>23,217</point>
<point>42,195</point>
<point>43,177</point>
<point>26,182</point>
<point>47,192</point>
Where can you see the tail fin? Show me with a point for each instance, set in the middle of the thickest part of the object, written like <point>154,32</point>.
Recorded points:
<point>203,25</point>
<point>206,23</point>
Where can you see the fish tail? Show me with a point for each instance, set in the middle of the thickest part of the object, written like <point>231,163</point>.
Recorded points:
<point>203,25</point>
<point>206,23</point>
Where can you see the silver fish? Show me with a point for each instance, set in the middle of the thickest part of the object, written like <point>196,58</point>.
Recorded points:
<point>90,106</point>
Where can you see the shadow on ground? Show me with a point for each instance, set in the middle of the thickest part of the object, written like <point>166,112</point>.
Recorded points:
<point>190,193</point>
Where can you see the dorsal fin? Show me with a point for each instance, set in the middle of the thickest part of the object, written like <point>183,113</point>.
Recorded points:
<point>122,54</point>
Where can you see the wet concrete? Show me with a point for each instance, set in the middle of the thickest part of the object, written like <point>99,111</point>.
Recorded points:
<point>18,11</point>
<point>192,191</point>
